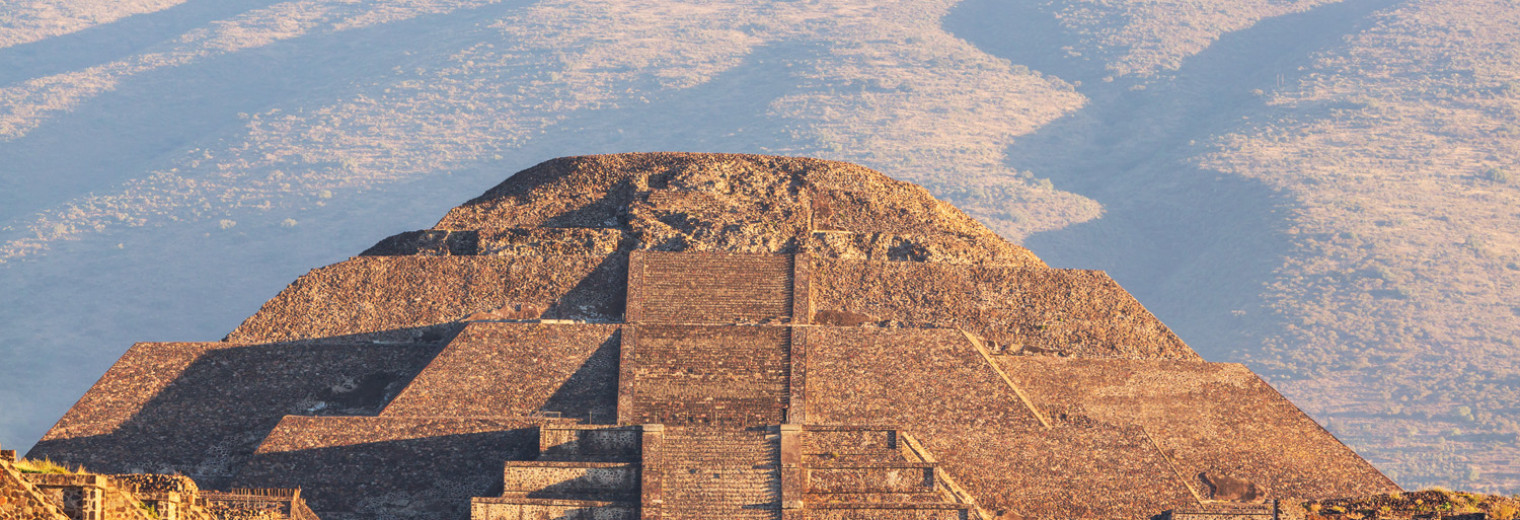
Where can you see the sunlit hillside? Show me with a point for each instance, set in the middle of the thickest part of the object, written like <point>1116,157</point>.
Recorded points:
<point>1327,194</point>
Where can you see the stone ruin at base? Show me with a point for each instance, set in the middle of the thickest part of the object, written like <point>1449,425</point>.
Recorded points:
<point>28,494</point>
<point>684,336</point>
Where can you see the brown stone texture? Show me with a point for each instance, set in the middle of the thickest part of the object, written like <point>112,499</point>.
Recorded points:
<point>20,500</point>
<point>1050,311</point>
<point>258,503</point>
<point>1089,471</point>
<point>89,496</point>
<point>867,472</point>
<point>885,512</point>
<point>709,288</point>
<point>722,202</point>
<point>381,293</point>
<point>569,479</point>
<point>414,467</point>
<point>934,384</point>
<point>550,241</point>
<point>201,408</point>
<point>683,336</point>
<point>720,473</point>
<point>945,248</point>
<point>518,369</point>
<point>82,495</point>
<point>589,442</point>
<point>505,508</point>
<point>681,374</point>
<point>922,380</point>
<point>501,242</point>
<point>1217,421</point>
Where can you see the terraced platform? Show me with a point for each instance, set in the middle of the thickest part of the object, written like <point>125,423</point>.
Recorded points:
<point>683,336</point>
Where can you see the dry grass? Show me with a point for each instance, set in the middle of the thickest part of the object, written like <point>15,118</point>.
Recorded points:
<point>44,466</point>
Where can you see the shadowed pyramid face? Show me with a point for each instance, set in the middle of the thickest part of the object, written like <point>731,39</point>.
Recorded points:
<point>707,336</point>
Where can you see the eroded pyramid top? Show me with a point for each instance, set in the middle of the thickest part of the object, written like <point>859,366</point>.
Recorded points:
<point>727,202</point>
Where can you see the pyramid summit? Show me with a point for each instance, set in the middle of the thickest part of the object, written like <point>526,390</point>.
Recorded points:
<point>708,336</point>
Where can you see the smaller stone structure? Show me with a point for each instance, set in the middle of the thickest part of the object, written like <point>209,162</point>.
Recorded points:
<point>580,472</point>
<point>27,495</point>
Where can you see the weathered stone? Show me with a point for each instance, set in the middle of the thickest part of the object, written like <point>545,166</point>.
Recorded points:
<point>684,336</point>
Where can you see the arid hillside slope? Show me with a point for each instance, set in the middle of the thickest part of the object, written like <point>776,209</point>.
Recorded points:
<point>1328,195</point>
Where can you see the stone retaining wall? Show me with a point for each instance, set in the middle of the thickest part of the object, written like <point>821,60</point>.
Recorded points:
<point>704,374</point>
<point>1016,310</point>
<point>715,288</point>
<point>519,369</point>
<point>434,465</point>
<point>404,292</point>
<point>1216,421</point>
<point>200,409</point>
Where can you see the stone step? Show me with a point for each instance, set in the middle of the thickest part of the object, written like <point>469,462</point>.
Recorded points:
<point>568,442</point>
<point>520,508</point>
<point>1225,511</point>
<point>921,497</point>
<point>721,473</point>
<point>571,480</point>
<point>895,511</point>
<point>848,440</point>
<point>894,477</point>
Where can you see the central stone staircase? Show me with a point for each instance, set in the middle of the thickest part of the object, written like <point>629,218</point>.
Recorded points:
<point>721,473</point>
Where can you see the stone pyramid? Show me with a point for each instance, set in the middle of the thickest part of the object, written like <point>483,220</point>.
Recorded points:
<point>691,336</point>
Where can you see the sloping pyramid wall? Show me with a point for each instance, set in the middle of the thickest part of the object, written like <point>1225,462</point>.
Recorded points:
<point>719,305</point>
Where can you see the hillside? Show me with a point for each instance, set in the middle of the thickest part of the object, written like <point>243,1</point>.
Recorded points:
<point>1322,190</point>
<point>1326,196</point>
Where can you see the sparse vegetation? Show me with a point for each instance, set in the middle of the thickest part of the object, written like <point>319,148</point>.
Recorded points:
<point>42,466</point>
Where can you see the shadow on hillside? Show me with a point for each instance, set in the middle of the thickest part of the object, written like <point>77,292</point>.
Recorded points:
<point>1195,246</point>
<point>1023,33</point>
<point>112,41</point>
<point>728,112</point>
<point>124,132</point>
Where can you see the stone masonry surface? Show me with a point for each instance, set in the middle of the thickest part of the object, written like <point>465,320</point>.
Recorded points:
<point>381,293</point>
<point>1052,311</point>
<point>432,465</point>
<point>519,369</point>
<point>720,473</point>
<point>704,336</point>
<point>1213,419</point>
<point>706,374</point>
<point>709,288</point>
<point>933,384</point>
<point>200,409</point>
<point>20,500</point>
<point>922,380</point>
